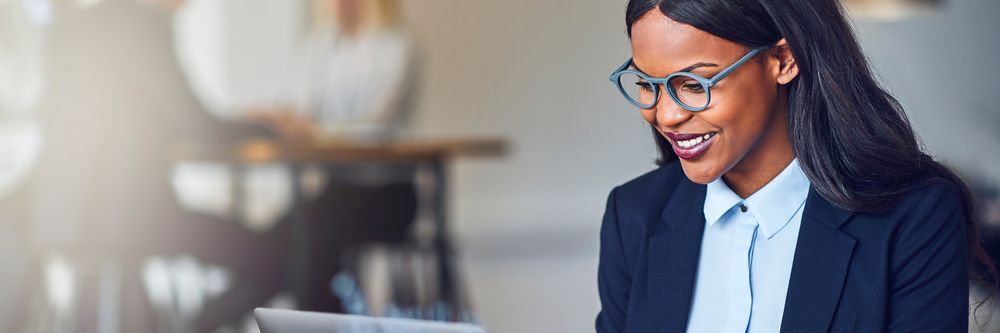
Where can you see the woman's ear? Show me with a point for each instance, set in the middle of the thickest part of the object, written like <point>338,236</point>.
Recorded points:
<point>787,69</point>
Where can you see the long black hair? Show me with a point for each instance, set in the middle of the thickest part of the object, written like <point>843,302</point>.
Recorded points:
<point>851,137</point>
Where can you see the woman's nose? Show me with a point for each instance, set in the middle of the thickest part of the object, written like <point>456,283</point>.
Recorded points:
<point>668,113</point>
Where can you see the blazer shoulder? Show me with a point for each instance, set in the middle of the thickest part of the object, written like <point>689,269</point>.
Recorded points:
<point>930,192</point>
<point>926,204</point>
<point>646,195</point>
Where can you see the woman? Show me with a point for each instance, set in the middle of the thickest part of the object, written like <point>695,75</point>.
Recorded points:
<point>792,195</point>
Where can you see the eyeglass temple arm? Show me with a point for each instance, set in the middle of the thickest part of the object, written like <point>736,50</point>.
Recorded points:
<point>734,66</point>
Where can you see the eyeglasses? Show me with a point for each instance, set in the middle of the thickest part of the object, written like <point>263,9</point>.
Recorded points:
<point>691,91</point>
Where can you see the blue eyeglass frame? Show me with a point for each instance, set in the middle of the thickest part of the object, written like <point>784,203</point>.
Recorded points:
<point>658,82</point>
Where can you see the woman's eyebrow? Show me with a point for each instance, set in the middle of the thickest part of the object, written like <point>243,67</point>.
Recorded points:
<point>697,65</point>
<point>685,69</point>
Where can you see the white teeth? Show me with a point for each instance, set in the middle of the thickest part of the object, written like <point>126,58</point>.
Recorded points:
<point>694,142</point>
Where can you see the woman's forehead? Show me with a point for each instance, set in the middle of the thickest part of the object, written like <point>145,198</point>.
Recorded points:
<point>661,46</point>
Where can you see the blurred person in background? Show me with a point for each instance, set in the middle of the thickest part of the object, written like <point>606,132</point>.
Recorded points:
<point>792,194</point>
<point>353,82</point>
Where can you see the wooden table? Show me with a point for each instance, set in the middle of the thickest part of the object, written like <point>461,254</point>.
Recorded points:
<point>435,153</point>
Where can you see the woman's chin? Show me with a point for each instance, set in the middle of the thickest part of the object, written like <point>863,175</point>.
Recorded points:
<point>699,174</point>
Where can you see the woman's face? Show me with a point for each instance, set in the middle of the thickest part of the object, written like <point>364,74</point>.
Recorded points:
<point>745,121</point>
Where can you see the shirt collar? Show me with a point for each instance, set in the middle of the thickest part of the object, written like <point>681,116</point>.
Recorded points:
<point>772,206</point>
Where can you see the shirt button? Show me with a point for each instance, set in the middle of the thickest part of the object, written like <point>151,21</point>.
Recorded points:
<point>743,208</point>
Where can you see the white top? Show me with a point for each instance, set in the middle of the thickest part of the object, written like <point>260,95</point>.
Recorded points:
<point>355,85</point>
<point>746,256</point>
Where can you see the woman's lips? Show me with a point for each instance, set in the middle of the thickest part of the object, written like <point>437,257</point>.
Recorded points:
<point>690,146</point>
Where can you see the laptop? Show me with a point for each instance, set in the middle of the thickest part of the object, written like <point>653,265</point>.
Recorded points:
<point>289,321</point>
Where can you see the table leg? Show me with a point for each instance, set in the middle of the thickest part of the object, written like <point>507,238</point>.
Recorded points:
<point>447,280</point>
<point>299,253</point>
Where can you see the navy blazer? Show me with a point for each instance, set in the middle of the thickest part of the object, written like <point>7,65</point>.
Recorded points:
<point>903,270</point>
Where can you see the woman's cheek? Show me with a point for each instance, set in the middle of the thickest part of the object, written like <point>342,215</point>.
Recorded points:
<point>648,115</point>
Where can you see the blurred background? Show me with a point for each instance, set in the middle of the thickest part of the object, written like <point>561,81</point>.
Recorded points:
<point>168,165</point>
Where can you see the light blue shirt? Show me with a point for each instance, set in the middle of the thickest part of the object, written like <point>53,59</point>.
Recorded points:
<point>746,257</point>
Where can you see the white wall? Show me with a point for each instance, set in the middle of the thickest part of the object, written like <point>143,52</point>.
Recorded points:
<point>534,72</point>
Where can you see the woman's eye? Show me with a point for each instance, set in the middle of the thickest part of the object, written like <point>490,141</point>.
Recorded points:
<point>644,86</point>
<point>693,87</point>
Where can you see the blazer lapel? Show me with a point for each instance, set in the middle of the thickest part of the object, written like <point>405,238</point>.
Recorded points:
<point>822,256</point>
<point>673,258</point>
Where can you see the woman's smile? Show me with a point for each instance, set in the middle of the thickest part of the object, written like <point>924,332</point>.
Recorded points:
<point>690,146</point>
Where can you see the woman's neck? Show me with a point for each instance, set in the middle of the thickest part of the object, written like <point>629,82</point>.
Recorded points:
<point>746,184</point>
<point>763,162</point>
